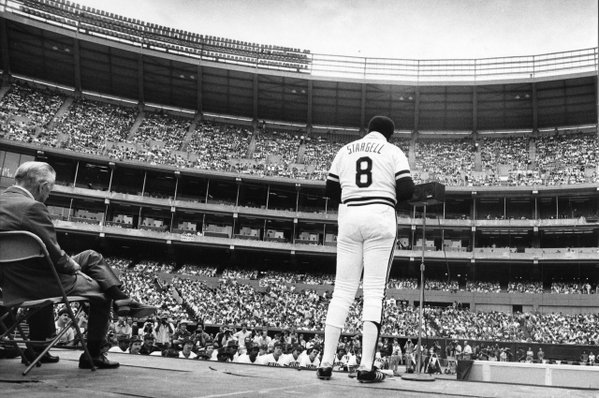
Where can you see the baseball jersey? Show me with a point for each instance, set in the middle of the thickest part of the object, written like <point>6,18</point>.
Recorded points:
<point>306,362</point>
<point>367,169</point>
<point>270,360</point>
<point>245,358</point>
<point>340,363</point>
<point>290,361</point>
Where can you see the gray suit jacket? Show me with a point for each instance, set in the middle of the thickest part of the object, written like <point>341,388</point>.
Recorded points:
<point>32,279</point>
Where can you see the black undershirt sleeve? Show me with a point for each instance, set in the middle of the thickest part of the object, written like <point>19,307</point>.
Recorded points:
<point>333,192</point>
<point>404,189</point>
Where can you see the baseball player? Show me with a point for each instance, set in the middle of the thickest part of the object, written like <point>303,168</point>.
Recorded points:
<point>369,177</point>
<point>276,357</point>
<point>293,359</point>
<point>311,360</point>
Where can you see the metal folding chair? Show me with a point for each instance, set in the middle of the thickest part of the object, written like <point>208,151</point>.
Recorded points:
<point>19,246</point>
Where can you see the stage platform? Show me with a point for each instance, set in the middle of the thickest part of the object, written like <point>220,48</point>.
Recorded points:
<point>149,376</point>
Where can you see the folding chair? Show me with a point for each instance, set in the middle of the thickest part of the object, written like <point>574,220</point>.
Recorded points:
<point>19,246</point>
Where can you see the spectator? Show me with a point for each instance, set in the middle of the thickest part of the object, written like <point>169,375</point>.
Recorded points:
<point>123,343</point>
<point>186,352</point>
<point>124,327</point>
<point>148,346</point>
<point>68,338</point>
<point>163,330</point>
<point>135,345</point>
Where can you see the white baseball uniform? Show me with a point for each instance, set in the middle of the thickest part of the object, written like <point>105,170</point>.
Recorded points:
<point>368,172</point>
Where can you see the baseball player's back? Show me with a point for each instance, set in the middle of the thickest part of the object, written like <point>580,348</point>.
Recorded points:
<point>368,177</point>
<point>367,170</point>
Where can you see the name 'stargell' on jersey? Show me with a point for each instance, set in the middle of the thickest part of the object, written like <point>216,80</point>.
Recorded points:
<point>368,168</point>
<point>372,147</point>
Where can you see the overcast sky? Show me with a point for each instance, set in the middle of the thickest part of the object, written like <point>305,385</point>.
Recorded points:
<point>417,29</point>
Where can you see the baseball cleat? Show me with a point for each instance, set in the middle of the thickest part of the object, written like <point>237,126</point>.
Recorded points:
<point>370,376</point>
<point>324,373</point>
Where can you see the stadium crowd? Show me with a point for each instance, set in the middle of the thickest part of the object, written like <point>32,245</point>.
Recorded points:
<point>214,145</point>
<point>25,113</point>
<point>232,301</point>
<point>89,126</point>
<point>281,325</point>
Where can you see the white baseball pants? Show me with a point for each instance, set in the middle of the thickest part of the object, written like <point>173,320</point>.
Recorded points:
<point>365,241</point>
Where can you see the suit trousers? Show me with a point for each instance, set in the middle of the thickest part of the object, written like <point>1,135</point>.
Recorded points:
<point>103,277</point>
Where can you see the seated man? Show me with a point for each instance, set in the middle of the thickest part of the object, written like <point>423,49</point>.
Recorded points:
<point>148,347</point>
<point>134,345</point>
<point>122,345</point>
<point>186,352</point>
<point>85,274</point>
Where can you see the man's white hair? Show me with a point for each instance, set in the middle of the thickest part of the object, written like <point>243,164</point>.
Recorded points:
<point>32,174</point>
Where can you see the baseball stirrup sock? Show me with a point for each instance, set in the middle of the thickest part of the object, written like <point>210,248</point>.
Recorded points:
<point>370,338</point>
<point>331,339</point>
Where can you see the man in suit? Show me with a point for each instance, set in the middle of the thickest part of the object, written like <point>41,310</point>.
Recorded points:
<point>85,274</point>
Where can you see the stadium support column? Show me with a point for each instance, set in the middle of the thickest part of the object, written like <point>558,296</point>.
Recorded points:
<point>474,109</point>
<point>255,101</point>
<point>535,108</point>
<point>417,110</point>
<point>597,96</point>
<point>199,100</point>
<point>140,79</point>
<point>5,52</point>
<point>309,115</point>
<point>363,109</point>
<point>77,65</point>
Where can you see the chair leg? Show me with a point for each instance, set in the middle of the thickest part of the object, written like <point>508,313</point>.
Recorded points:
<point>73,324</point>
<point>36,361</point>
<point>7,333</point>
<point>27,352</point>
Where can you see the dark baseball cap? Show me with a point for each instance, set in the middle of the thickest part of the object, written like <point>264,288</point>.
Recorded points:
<point>383,125</point>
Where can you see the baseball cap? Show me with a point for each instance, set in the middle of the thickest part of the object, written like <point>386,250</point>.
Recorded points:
<point>383,125</point>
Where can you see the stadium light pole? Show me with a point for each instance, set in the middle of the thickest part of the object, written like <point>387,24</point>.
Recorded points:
<point>418,375</point>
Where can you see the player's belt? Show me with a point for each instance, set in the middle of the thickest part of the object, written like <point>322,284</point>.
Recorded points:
<point>369,200</point>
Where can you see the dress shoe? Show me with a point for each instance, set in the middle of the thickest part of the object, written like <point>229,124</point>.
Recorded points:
<point>100,362</point>
<point>130,307</point>
<point>47,358</point>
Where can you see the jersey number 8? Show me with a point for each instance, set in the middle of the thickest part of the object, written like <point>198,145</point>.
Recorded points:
<point>363,172</point>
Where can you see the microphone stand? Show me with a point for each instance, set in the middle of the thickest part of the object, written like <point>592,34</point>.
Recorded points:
<point>417,375</point>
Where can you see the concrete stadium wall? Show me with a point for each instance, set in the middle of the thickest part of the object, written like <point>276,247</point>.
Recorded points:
<point>535,374</point>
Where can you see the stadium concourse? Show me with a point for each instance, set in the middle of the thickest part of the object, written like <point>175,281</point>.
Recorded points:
<point>141,376</point>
